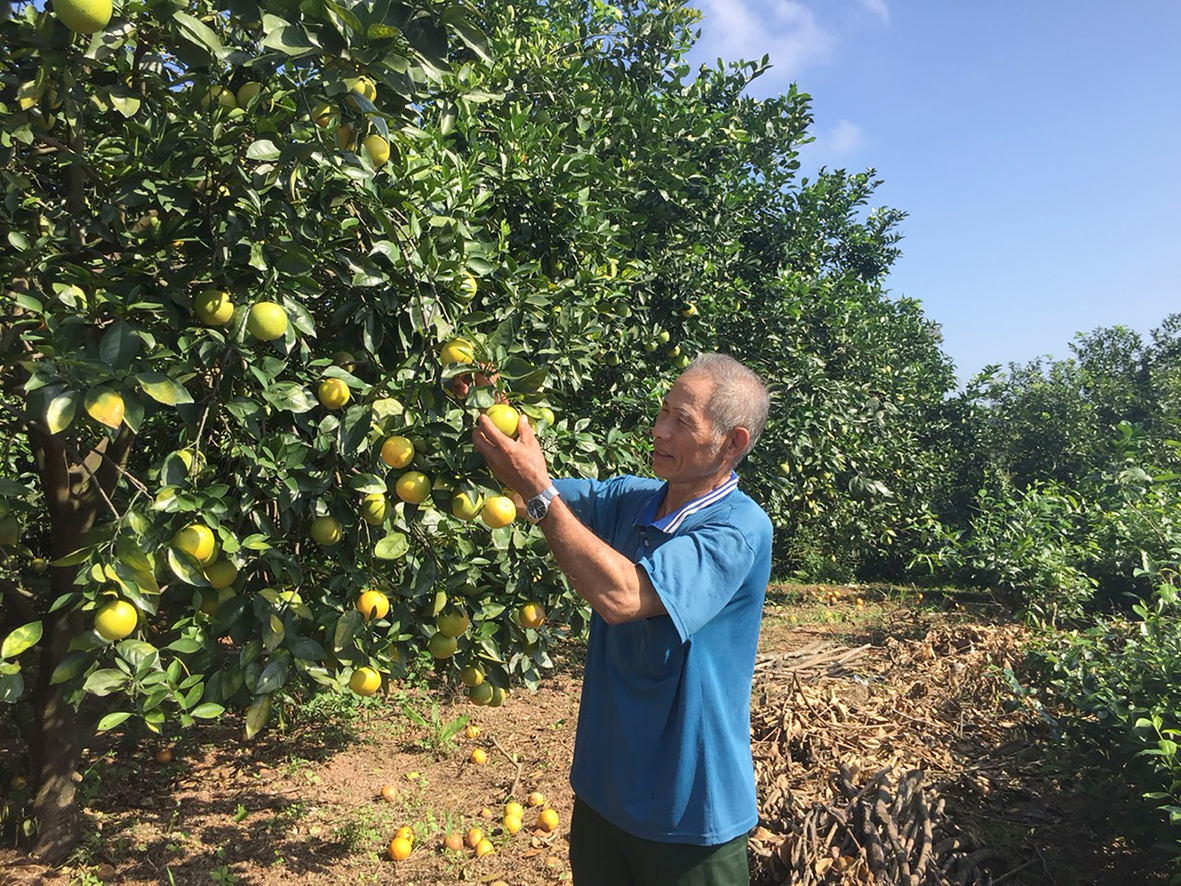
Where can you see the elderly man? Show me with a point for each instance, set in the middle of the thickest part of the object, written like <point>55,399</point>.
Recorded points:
<point>675,570</point>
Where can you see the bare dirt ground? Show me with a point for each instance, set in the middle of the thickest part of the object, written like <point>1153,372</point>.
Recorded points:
<point>905,684</point>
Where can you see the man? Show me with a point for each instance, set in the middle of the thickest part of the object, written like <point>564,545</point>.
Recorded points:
<point>675,572</point>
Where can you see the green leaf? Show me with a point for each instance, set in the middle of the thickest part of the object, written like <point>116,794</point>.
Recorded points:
<point>119,345</point>
<point>391,547</point>
<point>24,637</point>
<point>263,149</point>
<point>290,396</point>
<point>274,675</point>
<point>207,711</point>
<point>198,32</point>
<point>368,484</point>
<point>104,682</point>
<point>110,721</point>
<point>163,389</point>
<point>289,39</point>
<point>71,666</point>
<point>185,645</point>
<point>256,715</point>
<point>12,687</point>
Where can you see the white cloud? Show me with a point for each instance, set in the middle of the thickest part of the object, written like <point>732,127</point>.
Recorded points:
<point>786,30</point>
<point>877,7</point>
<point>833,145</point>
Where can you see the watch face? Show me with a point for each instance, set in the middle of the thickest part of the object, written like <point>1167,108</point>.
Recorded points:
<point>537,508</point>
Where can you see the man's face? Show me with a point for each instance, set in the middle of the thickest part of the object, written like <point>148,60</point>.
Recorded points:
<point>685,446</point>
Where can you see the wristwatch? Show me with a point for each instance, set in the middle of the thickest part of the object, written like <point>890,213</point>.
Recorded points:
<point>538,506</point>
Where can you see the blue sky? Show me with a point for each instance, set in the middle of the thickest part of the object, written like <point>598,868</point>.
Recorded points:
<point>1035,147</point>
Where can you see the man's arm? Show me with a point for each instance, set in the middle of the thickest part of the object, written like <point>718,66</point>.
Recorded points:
<point>614,586</point>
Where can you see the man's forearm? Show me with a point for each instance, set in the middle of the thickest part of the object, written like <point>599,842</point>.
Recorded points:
<point>613,585</point>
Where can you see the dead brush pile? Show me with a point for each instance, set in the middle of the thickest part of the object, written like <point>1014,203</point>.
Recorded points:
<point>859,751</point>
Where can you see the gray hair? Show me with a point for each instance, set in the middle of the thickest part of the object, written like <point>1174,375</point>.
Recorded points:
<point>739,397</point>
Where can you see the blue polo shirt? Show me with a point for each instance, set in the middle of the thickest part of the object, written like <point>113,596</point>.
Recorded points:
<point>663,741</point>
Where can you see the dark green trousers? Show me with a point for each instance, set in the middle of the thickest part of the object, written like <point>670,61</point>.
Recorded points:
<point>602,854</point>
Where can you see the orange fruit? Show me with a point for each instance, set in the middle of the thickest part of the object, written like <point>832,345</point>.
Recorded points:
<point>413,487</point>
<point>213,307</point>
<point>267,321</point>
<point>537,798</point>
<point>374,508</point>
<point>481,695</point>
<point>505,418</point>
<point>373,604</point>
<point>365,681</point>
<point>389,793</point>
<point>453,622</point>
<point>397,452</point>
<point>197,540</point>
<point>514,809</point>
<point>441,646</point>
<point>474,836</point>
<point>115,620</point>
<point>400,848</point>
<point>547,820</point>
<point>454,841</point>
<point>333,393</point>
<point>405,833</point>
<point>479,756</point>
<point>532,615</point>
<point>326,531</point>
<point>463,508</point>
<point>498,511</point>
<point>484,847</point>
<point>512,823</point>
<point>472,675</point>
<point>457,350</point>
<point>221,574</point>
<point>471,730</point>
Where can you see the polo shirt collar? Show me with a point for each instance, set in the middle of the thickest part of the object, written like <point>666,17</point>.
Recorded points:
<point>673,521</point>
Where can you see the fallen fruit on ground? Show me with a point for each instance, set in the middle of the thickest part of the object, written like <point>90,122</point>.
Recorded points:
<point>164,755</point>
<point>389,793</point>
<point>405,832</point>
<point>480,757</point>
<point>512,823</point>
<point>474,836</point>
<point>471,730</point>
<point>400,848</point>
<point>115,620</point>
<point>484,847</point>
<point>454,841</point>
<point>547,820</point>
<point>365,681</point>
<point>537,798</point>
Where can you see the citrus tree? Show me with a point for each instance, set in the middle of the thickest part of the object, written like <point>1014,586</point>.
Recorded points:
<point>254,303</point>
<point>265,264</point>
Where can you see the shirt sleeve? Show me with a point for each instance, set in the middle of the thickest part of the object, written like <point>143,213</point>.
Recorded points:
<point>579,496</point>
<point>697,573</point>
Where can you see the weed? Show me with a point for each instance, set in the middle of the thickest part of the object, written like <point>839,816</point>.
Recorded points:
<point>438,735</point>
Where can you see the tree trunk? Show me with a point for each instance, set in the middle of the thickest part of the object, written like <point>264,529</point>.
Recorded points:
<point>75,488</point>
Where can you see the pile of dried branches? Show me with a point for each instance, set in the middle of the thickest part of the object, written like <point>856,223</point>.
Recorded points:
<point>929,708</point>
<point>881,833</point>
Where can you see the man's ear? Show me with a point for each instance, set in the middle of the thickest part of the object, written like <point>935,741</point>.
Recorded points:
<point>736,443</point>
